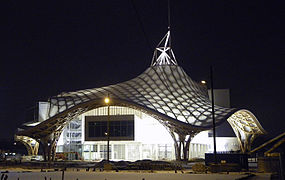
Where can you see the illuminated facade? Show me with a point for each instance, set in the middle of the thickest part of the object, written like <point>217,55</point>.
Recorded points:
<point>150,140</point>
<point>163,93</point>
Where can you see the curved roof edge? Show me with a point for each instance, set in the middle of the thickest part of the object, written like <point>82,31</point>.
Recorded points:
<point>246,127</point>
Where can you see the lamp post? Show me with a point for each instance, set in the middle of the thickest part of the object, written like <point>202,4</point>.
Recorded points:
<point>107,101</point>
<point>213,114</point>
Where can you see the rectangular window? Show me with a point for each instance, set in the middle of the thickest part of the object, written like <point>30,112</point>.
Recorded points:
<point>164,151</point>
<point>103,151</point>
<point>119,151</point>
<point>94,148</point>
<point>121,127</point>
<point>86,148</point>
<point>133,151</point>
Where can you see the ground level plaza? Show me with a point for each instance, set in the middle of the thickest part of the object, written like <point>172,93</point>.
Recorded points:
<point>83,175</point>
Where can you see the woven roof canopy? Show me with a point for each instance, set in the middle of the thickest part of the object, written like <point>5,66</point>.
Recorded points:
<point>163,90</point>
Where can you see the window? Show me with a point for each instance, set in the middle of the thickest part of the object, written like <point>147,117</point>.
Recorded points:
<point>121,127</point>
<point>86,148</point>
<point>119,151</point>
<point>164,151</point>
<point>103,151</point>
<point>94,148</point>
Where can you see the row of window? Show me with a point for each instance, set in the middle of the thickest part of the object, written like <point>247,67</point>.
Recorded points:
<point>118,151</point>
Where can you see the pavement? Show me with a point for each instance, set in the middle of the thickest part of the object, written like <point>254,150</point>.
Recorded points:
<point>126,175</point>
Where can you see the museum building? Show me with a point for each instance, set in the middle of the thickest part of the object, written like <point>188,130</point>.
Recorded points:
<point>161,115</point>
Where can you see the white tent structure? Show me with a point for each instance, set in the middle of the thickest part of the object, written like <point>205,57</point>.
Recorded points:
<point>163,91</point>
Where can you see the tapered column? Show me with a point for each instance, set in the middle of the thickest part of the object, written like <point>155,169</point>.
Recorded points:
<point>181,145</point>
<point>49,146</point>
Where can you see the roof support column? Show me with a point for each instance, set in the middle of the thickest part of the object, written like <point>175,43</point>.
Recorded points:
<point>181,145</point>
<point>49,146</point>
<point>31,144</point>
<point>246,127</point>
<point>186,145</point>
<point>177,146</point>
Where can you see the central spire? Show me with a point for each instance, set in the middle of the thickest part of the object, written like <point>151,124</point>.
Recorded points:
<point>163,54</point>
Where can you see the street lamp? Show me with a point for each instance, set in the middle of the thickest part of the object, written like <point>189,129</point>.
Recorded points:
<point>213,113</point>
<point>107,102</point>
<point>203,82</point>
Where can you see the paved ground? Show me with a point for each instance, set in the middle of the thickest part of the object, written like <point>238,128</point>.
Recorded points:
<point>72,175</point>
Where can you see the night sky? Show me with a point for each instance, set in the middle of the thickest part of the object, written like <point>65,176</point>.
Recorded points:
<point>48,47</point>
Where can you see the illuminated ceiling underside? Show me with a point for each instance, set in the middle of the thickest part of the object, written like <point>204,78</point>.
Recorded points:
<point>246,128</point>
<point>163,89</point>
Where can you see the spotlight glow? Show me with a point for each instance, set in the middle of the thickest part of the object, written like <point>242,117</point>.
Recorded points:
<point>107,100</point>
<point>203,82</point>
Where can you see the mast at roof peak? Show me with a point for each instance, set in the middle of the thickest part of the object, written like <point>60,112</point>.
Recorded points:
<point>163,54</point>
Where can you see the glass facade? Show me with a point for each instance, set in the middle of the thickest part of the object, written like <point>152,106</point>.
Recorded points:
<point>164,151</point>
<point>119,151</point>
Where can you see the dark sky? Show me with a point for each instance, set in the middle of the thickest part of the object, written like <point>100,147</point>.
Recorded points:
<point>48,47</point>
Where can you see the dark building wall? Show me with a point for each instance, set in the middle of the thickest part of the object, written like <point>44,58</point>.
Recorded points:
<point>222,98</point>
